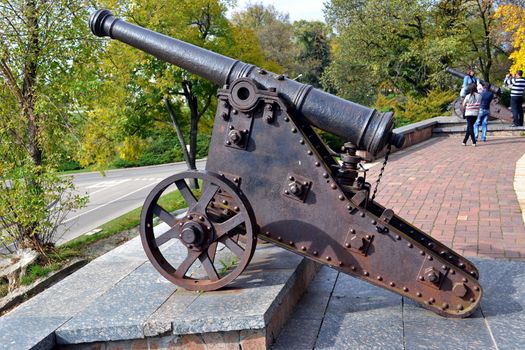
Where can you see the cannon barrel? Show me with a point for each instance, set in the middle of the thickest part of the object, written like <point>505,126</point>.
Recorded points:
<point>365,127</point>
<point>462,75</point>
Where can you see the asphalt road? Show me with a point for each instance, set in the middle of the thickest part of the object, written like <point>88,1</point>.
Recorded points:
<point>113,194</point>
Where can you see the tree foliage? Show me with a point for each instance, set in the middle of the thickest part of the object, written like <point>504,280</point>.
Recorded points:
<point>44,68</point>
<point>405,45</point>
<point>136,87</point>
<point>513,21</point>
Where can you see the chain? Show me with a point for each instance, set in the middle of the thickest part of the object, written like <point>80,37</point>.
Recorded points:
<point>388,149</point>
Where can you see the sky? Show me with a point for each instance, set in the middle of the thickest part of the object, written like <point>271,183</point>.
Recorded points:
<point>298,9</point>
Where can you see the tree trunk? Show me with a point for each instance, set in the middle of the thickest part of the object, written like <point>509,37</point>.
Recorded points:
<point>193,105</point>
<point>180,136</point>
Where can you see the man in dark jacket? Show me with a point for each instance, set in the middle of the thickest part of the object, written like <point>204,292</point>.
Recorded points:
<point>484,112</point>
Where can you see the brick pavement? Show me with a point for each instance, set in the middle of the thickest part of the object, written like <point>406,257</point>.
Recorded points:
<point>462,196</point>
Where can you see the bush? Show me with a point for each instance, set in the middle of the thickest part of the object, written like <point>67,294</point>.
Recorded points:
<point>414,109</point>
<point>505,97</point>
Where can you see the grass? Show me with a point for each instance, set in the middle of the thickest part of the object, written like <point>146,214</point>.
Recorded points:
<point>3,288</point>
<point>227,265</point>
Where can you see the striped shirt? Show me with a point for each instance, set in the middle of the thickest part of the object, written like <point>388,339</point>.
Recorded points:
<point>517,87</point>
<point>471,104</point>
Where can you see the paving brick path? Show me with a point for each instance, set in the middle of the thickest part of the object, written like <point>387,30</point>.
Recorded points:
<point>463,196</point>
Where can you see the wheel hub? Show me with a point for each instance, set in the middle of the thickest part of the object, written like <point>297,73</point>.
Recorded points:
<point>192,234</point>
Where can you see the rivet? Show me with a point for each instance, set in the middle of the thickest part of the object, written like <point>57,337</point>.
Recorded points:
<point>410,245</point>
<point>180,224</point>
<point>349,207</point>
<point>236,208</point>
<point>450,257</point>
<point>279,238</point>
<point>379,278</point>
<point>443,252</point>
<point>418,294</point>
<point>444,267</point>
<point>294,130</point>
<point>291,178</point>
<point>362,215</point>
<point>180,236</point>
<point>245,131</point>
<point>347,245</point>
<point>190,246</point>
<point>431,300</point>
<point>373,222</point>
<point>201,218</point>
<point>421,278</point>
<point>430,258</point>
<point>392,284</point>
<point>461,265</point>
<point>235,180</point>
<point>459,307</point>
<point>208,227</point>
<point>305,183</point>
<point>228,143</point>
<point>367,237</point>
<point>421,252</point>
<point>444,306</point>
<point>352,268</point>
<point>472,273</point>
<point>286,119</point>
<point>472,300</point>
<point>315,252</point>
<point>231,127</point>
<point>476,288</point>
<point>235,111</point>
<point>365,273</point>
<point>317,164</point>
<point>333,186</point>
<point>352,230</point>
<point>405,289</point>
<point>328,258</point>
<point>189,217</point>
<point>301,142</point>
<point>464,279</point>
<point>286,192</point>
<point>303,247</point>
<point>452,272</point>
<point>341,197</point>
<point>224,116</point>
<point>325,175</point>
<point>290,243</point>
<point>310,152</point>
<point>398,237</point>
<point>341,263</point>
<point>224,201</point>
<point>267,233</point>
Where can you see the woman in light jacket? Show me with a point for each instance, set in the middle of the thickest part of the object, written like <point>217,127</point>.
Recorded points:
<point>471,104</point>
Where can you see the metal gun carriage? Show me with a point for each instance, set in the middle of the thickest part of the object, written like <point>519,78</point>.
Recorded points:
<point>269,176</point>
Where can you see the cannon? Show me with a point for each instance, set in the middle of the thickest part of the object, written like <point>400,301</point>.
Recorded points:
<point>270,177</point>
<point>497,110</point>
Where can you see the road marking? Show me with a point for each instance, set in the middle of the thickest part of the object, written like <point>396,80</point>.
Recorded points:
<point>106,184</point>
<point>108,203</point>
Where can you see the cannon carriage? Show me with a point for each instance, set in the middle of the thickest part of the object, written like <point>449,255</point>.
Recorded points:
<point>269,176</point>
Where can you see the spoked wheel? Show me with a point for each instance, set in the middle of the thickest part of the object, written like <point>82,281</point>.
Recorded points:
<point>206,246</point>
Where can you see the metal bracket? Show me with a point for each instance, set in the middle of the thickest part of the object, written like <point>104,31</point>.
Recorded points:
<point>359,242</point>
<point>239,130</point>
<point>432,273</point>
<point>296,187</point>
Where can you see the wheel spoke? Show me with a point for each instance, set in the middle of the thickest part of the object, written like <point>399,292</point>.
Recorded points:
<point>212,250</point>
<point>208,266</point>
<point>233,246</point>
<point>186,264</point>
<point>206,196</point>
<point>230,224</point>
<point>165,237</point>
<point>185,191</point>
<point>164,215</point>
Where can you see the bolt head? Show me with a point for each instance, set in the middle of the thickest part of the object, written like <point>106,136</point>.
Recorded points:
<point>459,290</point>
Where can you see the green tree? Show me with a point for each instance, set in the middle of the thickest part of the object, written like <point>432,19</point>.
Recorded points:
<point>312,40</point>
<point>137,88</point>
<point>43,59</point>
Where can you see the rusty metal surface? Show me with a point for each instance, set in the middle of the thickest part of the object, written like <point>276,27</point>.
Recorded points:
<point>269,176</point>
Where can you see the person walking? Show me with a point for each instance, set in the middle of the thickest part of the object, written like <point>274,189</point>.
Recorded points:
<point>516,98</point>
<point>484,112</point>
<point>509,79</point>
<point>471,104</point>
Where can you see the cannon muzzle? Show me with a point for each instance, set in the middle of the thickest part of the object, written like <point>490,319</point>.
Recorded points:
<point>496,90</point>
<point>367,128</point>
